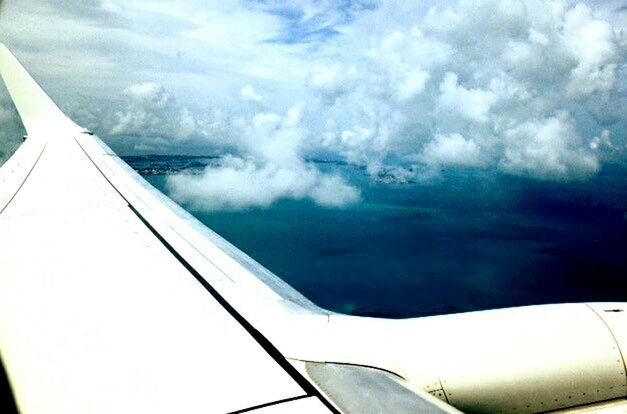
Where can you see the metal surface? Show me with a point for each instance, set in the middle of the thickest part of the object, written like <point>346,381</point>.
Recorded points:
<point>362,390</point>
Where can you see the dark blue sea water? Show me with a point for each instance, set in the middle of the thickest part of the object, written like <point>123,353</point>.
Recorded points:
<point>470,241</point>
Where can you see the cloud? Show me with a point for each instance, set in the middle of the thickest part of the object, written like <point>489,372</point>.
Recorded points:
<point>547,149</point>
<point>249,94</point>
<point>473,104</point>
<point>602,141</point>
<point>521,86</point>
<point>453,150</point>
<point>332,81</point>
<point>591,42</point>
<point>148,94</point>
<point>152,112</point>
<point>270,168</point>
<point>241,183</point>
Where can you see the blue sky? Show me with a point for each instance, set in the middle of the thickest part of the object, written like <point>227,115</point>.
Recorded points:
<point>528,88</point>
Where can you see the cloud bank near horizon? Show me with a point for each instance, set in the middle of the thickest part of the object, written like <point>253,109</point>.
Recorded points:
<point>532,88</point>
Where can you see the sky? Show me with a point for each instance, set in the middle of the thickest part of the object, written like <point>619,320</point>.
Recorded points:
<point>527,88</point>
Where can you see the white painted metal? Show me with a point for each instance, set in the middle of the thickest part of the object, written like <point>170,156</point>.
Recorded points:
<point>97,314</point>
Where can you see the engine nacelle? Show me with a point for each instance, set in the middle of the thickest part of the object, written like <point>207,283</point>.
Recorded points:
<point>526,359</point>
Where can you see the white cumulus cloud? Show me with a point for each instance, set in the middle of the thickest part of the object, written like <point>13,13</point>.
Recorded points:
<point>152,112</point>
<point>520,85</point>
<point>241,183</point>
<point>270,168</point>
<point>249,94</point>
<point>534,88</point>
<point>473,104</point>
<point>453,149</point>
<point>591,42</point>
<point>547,149</point>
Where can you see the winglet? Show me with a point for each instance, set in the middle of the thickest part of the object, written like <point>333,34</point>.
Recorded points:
<point>40,115</point>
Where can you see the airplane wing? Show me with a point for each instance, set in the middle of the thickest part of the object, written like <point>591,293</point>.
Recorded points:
<point>103,301</point>
<point>114,299</point>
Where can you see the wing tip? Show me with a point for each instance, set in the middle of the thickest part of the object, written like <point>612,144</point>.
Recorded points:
<point>36,109</point>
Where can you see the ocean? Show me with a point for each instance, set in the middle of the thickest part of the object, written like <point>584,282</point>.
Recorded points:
<point>471,240</point>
